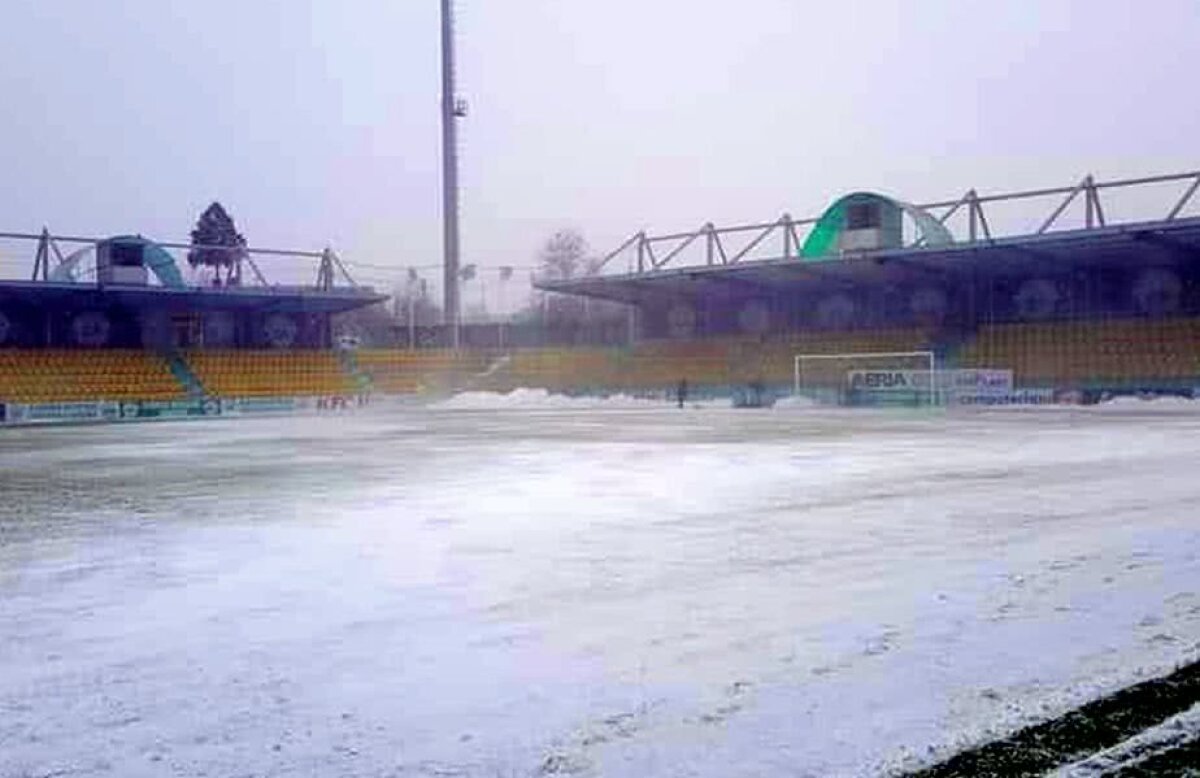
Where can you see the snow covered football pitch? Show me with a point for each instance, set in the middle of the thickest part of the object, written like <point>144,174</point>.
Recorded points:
<point>619,589</point>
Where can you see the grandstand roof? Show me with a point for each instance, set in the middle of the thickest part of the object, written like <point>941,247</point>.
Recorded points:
<point>287,299</point>
<point>1166,243</point>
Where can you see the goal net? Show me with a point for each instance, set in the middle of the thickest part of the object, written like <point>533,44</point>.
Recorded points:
<point>890,378</point>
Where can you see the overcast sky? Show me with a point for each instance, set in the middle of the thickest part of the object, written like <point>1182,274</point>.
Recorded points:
<point>317,122</point>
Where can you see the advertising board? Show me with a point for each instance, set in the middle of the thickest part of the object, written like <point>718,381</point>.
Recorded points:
<point>1014,397</point>
<point>967,381</point>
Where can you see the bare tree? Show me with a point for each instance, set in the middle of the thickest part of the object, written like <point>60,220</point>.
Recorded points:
<point>570,318</point>
<point>563,256</point>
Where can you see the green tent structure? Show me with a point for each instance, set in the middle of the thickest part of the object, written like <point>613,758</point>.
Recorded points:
<point>863,212</point>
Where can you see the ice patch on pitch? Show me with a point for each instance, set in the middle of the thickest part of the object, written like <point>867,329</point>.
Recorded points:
<point>537,399</point>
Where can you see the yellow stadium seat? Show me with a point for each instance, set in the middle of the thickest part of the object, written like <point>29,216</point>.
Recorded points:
<point>53,375</point>
<point>260,373</point>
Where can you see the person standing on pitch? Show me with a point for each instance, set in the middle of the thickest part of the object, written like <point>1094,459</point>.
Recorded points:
<point>681,392</point>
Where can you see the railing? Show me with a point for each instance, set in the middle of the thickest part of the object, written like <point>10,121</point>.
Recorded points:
<point>784,231</point>
<point>49,255</point>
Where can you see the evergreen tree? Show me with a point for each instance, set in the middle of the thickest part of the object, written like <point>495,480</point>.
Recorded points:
<point>216,228</point>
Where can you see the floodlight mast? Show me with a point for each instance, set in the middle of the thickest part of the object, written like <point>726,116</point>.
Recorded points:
<point>452,110</point>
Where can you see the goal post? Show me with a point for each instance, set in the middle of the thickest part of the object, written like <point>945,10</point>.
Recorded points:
<point>868,378</point>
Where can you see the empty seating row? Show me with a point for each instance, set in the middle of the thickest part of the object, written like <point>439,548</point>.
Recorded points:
<point>1111,352</point>
<point>659,365</point>
<point>51,375</point>
<point>401,371</point>
<point>253,373</point>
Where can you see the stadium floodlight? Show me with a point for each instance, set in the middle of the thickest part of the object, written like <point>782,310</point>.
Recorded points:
<point>453,109</point>
<point>858,377</point>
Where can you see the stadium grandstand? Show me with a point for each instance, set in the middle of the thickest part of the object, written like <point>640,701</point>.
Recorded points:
<point>110,329</point>
<point>1075,291</point>
<point>874,301</point>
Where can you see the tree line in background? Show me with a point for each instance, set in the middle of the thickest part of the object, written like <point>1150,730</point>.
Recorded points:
<point>544,317</point>
<point>565,255</point>
<point>220,251</point>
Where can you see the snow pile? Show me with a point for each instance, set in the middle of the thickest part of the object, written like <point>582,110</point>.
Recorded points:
<point>1151,403</point>
<point>539,399</point>
<point>794,401</point>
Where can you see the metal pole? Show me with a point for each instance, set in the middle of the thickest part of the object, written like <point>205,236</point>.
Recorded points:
<point>1089,204</point>
<point>450,247</point>
<point>503,308</point>
<point>1187,195</point>
<point>412,324</point>
<point>42,258</point>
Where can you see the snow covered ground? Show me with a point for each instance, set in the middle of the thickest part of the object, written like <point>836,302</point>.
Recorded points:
<point>622,590</point>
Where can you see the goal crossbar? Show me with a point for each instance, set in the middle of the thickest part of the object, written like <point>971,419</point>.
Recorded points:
<point>928,357</point>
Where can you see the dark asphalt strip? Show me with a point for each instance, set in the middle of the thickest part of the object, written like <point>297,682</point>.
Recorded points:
<point>1084,731</point>
<point>1179,762</point>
